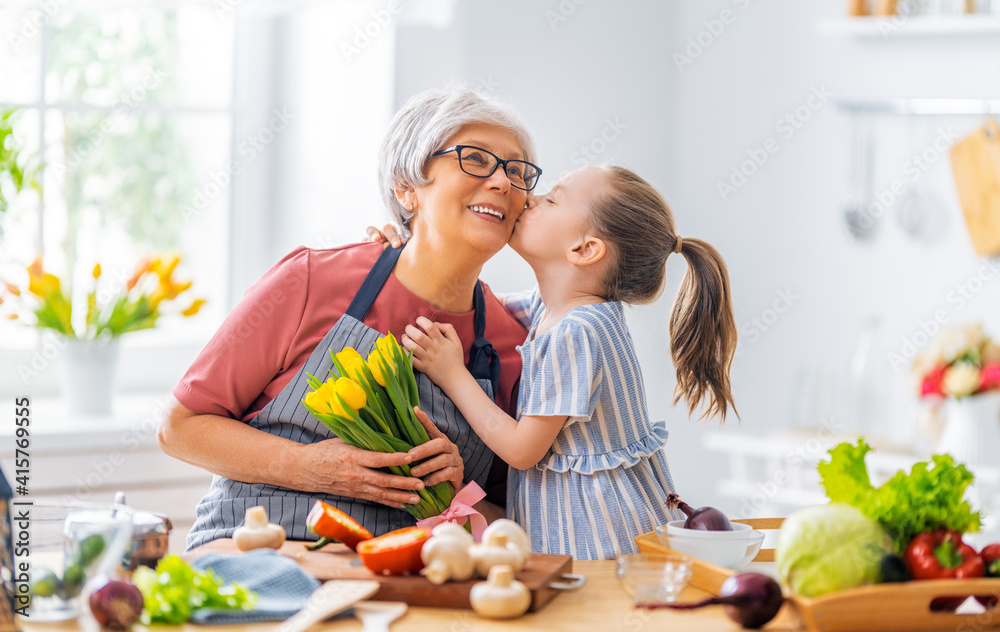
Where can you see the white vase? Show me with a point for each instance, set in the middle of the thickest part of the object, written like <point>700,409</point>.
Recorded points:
<point>88,375</point>
<point>972,429</point>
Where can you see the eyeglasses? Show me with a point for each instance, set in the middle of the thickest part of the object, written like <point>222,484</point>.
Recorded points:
<point>481,163</point>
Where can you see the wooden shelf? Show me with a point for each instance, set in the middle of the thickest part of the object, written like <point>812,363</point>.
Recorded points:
<point>892,27</point>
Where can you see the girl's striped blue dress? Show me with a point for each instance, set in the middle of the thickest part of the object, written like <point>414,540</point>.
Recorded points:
<point>605,480</point>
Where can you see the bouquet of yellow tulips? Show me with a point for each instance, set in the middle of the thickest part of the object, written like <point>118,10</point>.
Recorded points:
<point>369,404</point>
<point>134,304</point>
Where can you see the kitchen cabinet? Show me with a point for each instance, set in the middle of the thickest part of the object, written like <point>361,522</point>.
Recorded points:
<point>89,459</point>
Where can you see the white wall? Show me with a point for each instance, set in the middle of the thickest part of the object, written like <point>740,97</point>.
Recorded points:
<point>686,128</point>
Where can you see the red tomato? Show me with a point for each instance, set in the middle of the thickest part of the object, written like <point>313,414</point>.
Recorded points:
<point>330,523</point>
<point>396,552</point>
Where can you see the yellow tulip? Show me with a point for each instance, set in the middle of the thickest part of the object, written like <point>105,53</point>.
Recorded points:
<point>144,266</point>
<point>193,309</point>
<point>180,288</point>
<point>386,344</point>
<point>40,282</point>
<point>166,268</point>
<point>375,364</point>
<point>352,394</point>
<point>97,271</point>
<point>323,400</point>
<point>352,361</point>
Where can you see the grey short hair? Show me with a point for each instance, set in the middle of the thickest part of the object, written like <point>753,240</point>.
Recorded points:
<point>420,127</point>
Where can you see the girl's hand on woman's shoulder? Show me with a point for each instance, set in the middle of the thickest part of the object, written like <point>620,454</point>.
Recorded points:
<point>388,233</point>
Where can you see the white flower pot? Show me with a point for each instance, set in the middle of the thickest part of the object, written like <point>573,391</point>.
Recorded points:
<point>972,429</point>
<point>88,375</point>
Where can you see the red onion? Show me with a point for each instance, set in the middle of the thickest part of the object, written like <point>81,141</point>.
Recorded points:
<point>116,605</point>
<point>750,599</point>
<point>703,518</point>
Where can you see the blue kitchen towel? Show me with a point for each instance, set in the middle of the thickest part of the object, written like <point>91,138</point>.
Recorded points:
<point>281,586</point>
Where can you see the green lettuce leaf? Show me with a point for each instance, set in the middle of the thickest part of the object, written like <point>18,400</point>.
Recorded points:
<point>928,498</point>
<point>175,589</point>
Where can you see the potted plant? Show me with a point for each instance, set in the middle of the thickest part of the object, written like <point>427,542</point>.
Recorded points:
<point>961,369</point>
<point>89,328</point>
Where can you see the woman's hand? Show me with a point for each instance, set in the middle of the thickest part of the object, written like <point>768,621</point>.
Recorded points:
<point>437,351</point>
<point>444,463</point>
<point>333,466</point>
<point>388,233</point>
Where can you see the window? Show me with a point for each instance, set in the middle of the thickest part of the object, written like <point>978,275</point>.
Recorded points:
<point>229,131</point>
<point>128,111</point>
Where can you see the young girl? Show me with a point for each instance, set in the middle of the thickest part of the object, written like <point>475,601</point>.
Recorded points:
<point>588,467</point>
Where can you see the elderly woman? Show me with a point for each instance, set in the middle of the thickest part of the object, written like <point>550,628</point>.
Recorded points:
<point>455,169</point>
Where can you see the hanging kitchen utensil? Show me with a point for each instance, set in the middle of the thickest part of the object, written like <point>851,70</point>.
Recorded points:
<point>975,162</point>
<point>918,210</point>
<point>858,219</point>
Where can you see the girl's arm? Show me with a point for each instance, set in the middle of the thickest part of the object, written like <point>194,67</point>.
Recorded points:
<point>437,351</point>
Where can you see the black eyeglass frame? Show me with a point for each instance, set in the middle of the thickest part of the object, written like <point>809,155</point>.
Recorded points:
<point>499,161</point>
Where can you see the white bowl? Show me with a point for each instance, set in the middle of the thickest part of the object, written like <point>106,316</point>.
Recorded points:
<point>731,549</point>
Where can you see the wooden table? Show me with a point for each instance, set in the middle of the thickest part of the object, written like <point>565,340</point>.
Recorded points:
<point>600,605</point>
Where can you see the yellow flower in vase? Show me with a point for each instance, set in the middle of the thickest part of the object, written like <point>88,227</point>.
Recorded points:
<point>193,308</point>
<point>40,282</point>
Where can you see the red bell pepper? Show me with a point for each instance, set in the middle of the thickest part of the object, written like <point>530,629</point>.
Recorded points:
<point>396,552</point>
<point>941,554</point>
<point>991,559</point>
<point>333,525</point>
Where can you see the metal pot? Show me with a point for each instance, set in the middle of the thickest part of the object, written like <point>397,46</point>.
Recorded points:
<point>150,537</point>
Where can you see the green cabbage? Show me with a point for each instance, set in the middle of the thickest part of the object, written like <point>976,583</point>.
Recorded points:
<point>828,548</point>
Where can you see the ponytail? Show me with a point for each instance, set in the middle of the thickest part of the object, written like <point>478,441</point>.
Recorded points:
<point>702,325</point>
<point>703,331</point>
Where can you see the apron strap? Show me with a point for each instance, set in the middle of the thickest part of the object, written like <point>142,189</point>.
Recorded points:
<point>484,361</point>
<point>373,283</point>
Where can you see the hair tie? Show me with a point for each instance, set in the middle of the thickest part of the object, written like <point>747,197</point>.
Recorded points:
<point>678,244</point>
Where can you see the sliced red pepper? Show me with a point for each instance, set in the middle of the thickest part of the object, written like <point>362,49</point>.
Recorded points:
<point>396,552</point>
<point>333,525</point>
<point>942,554</point>
<point>991,559</point>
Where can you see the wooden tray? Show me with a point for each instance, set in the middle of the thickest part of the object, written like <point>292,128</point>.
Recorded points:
<point>884,607</point>
<point>544,575</point>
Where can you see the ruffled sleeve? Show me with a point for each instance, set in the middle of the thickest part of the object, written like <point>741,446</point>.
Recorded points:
<point>629,456</point>
<point>566,371</point>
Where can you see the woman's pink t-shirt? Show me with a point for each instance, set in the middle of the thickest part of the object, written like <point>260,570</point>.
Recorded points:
<point>282,318</point>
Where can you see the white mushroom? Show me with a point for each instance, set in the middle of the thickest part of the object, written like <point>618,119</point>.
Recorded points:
<point>455,531</point>
<point>256,533</point>
<point>495,551</point>
<point>515,534</point>
<point>500,596</point>
<point>445,557</point>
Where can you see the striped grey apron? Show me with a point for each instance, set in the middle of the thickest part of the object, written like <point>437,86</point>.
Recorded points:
<point>224,507</point>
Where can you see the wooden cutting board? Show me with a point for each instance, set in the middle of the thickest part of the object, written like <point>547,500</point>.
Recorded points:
<point>975,161</point>
<point>336,561</point>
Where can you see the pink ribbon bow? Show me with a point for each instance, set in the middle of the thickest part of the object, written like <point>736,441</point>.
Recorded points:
<point>461,510</point>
